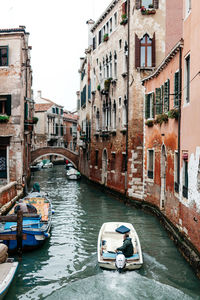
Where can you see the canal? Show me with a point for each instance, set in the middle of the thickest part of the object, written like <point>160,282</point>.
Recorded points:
<point>66,266</point>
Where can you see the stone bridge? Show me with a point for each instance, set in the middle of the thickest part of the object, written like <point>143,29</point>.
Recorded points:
<point>60,151</point>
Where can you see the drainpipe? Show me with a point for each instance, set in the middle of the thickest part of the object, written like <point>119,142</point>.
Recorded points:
<point>179,115</point>
<point>127,100</point>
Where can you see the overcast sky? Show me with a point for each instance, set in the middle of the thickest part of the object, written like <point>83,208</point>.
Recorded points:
<point>58,36</point>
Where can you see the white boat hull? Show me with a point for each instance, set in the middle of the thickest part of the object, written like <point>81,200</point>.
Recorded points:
<point>109,240</point>
<point>7,273</point>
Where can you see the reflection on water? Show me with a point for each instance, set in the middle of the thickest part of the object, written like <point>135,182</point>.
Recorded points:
<point>66,266</point>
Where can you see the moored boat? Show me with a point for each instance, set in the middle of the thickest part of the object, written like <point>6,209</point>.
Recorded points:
<point>110,238</point>
<point>8,268</point>
<point>36,222</point>
<point>73,174</point>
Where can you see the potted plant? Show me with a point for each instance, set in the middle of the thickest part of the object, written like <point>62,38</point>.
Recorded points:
<point>107,83</point>
<point>173,114</point>
<point>124,19</point>
<point>35,120</point>
<point>4,118</point>
<point>105,37</point>
<point>162,118</point>
<point>149,123</point>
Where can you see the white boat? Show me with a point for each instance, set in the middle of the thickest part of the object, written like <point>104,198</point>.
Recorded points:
<point>7,272</point>
<point>73,174</point>
<point>110,238</point>
<point>47,164</point>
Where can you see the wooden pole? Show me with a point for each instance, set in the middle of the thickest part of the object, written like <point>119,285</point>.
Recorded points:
<point>19,232</point>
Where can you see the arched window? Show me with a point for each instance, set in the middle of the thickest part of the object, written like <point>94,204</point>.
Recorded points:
<point>146,51</point>
<point>114,118</point>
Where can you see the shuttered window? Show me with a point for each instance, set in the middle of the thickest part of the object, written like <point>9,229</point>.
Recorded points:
<point>5,105</point>
<point>158,101</point>
<point>3,56</point>
<point>149,106</point>
<point>94,42</point>
<point>150,164</point>
<point>145,52</point>
<point>176,89</point>
<point>139,3</point>
<point>166,95</point>
<point>83,96</point>
<point>100,37</point>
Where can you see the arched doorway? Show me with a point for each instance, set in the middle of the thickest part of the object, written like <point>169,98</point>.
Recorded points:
<point>163,177</point>
<point>104,166</point>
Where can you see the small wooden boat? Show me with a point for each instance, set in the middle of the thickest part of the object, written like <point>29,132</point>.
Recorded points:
<point>36,223</point>
<point>73,174</point>
<point>110,238</point>
<point>8,270</point>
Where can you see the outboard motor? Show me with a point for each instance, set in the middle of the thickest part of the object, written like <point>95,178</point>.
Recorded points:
<point>120,262</point>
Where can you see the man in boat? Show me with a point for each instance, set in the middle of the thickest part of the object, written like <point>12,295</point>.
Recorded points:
<point>25,207</point>
<point>127,247</point>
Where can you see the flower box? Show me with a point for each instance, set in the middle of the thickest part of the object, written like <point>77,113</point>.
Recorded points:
<point>105,37</point>
<point>4,118</point>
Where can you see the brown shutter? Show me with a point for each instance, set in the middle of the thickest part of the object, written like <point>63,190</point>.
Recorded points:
<point>137,4</point>
<point>154,50</point>
<point>124,8</point>
<point>137,51</point>
<point>156,4</point>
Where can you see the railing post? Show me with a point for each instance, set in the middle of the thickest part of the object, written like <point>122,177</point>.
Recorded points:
<point>19,232</point>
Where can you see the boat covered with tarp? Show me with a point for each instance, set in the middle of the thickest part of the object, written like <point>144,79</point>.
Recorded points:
<point>37,210</point>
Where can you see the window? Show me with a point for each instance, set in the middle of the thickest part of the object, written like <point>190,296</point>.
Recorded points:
<point>124,116</point>
<point>187,79</point>
<point>115,19</point>
<point>146,3</point>
<point>166,95</point>
<point>150,169</point>
<point>70,130</point>
<point>83,96</point>
<point>124,8</point>
<point>120,101</point>
<point>176,89</point>
<point>115,65</point>
<point>120,44</point>
<point>113,158</point>
<point>145,51</point>
<point>97,120</point>
<point>100,37</point>
<point>61,130</point>
<point>94,43</point>
<point>176,187</point>
<point>3,56</point>
<point>185,178</point>
<point>110,25</point>
<point>114,118</point>
<point>57,110</point>
<point>61,111</point>
<point>3,162</point>
<point>123,162</point>
<point>149,106</point>
<point>89,90</point>
<point>56,129</point>
<point>5,105</point>
<point>159,102</point>
<point>96,157</point>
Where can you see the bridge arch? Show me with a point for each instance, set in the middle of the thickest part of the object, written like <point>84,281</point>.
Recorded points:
<point>60,151</point>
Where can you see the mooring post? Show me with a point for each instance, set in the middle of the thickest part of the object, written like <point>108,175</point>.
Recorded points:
<point>19,232</point>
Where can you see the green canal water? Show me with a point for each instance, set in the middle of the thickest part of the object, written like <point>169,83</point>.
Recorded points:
<point>66,266</point>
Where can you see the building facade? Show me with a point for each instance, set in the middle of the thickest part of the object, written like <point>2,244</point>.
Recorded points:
<point>16,105</point>
<point>49,129</point>
<point>70,130</point>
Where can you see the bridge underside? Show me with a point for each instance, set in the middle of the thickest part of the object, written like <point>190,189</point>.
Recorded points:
<point>59,151</point>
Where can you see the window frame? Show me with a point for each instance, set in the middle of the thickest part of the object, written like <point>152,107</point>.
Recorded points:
<point>150,176</point>
<point>7,56</point>
<point>187,79</point>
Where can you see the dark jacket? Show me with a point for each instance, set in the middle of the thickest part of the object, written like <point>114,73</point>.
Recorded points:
<point>127,247</point>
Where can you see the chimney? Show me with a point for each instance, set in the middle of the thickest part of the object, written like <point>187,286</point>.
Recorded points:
<point>90,23</point>
<point>39,94</point>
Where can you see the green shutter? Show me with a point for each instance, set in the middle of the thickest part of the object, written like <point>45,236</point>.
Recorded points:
<point>166,96</point>
<point>158,101</point>
<point>26,111</point>
<point>176,89</point>
<point>153,101</point>
<point>8,105</point>
<point>146,107</point>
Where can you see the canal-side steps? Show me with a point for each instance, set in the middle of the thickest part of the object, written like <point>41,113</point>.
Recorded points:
<point>119,247</point>
<point>36,211</point>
